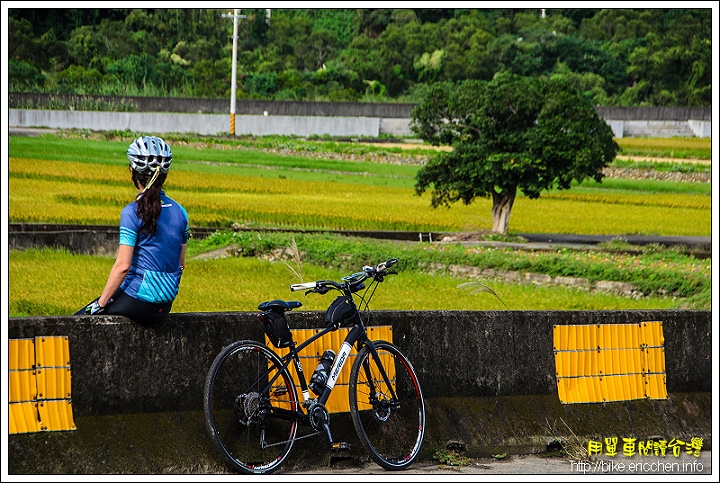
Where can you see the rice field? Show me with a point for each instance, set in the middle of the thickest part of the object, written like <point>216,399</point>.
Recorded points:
<point>75,181</point>
<point>674,147</point>
<point>54,191</point>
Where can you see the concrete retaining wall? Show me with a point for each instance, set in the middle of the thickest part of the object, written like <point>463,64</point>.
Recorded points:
<point>297,125</point>
<point>204,124</point>
<point>218,106</point>
<point>391,110</point>
<point>654,113</point>
<point>661,129</point>
<point>103,239</point>
<point>119,366</point>
<point>488,378</point>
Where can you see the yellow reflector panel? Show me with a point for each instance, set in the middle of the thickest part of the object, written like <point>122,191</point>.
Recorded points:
<point>309,357</point>
<point>40,388</point>
<point>21,354</point>
<point>655,386</point>
<point>24,418</point>
<point>609,362</point>
<point>655,359</point>
<point>56,415</point>
<point>53,383</point>
<point>52,352</point>
<point>23,386</point>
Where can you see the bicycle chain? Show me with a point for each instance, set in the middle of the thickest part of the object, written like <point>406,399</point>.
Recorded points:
<point>294,439</point>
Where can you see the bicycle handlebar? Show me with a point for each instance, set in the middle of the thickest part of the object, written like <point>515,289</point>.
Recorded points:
<point>381,267</point>
<point>377,273</point>
<point>302,286</point>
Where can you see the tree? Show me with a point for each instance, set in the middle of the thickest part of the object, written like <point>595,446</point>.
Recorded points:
<point>512,132</point>
<point>640,56</point>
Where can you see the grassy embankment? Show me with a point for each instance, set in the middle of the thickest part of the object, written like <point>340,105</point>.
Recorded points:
<point>242,181</point>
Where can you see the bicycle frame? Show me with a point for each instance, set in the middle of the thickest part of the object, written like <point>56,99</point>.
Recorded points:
<point>356,336</point>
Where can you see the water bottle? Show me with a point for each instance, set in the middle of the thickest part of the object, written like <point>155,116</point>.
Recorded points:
<point>320,376</point>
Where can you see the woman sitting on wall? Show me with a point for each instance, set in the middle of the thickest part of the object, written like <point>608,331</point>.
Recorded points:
<point>154,231</point>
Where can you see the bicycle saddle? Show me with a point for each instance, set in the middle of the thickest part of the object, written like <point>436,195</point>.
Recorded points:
<point>280,304</point>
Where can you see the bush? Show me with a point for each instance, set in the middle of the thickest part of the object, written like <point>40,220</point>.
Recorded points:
<point>264,84</point>
<point>23,77</point>
<point>78,80</point>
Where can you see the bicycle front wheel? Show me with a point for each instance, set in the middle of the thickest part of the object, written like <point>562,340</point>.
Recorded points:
<point>389,418</point>
<point>250,407</point>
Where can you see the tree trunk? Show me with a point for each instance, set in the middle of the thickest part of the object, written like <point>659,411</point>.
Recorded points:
<point>502,205</point>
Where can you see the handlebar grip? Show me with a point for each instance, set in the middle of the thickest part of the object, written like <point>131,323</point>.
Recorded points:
<point>302,286</point>
<point>385,265</point>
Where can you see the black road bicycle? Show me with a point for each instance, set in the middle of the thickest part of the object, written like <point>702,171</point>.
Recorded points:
<point>251,403</point>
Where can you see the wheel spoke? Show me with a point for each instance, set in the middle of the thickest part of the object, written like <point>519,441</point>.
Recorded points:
<point>389,418</point>
<point>238,408</point>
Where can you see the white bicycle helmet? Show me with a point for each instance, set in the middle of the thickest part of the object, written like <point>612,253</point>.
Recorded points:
<point>148,154</point>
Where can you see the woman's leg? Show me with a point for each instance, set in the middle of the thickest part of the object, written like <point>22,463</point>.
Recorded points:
<point>138,310</point>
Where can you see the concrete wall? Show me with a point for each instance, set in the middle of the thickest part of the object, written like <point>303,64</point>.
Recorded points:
<point>218,106</point>
<point>488,378</point>
<point>119,366</point>
<point>313,108</point>
<point>661,129</point>
<point>655,113</point>
<point>204,124</point>
<point>307,126</point>
<point>326,122</point>
<point>103,239</point>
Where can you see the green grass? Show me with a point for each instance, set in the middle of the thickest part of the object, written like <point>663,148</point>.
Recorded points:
<point>663,166</point>
<point>68,281</point>
<point>655,270</point>
<point>649,186</point>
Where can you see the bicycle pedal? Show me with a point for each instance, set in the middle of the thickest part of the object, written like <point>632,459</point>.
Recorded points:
<point>340,446</point>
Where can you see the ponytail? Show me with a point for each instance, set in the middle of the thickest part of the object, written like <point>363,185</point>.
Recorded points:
<point>148,200</point>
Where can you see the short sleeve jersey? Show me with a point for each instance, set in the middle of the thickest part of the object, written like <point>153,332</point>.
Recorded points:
<point>154,274</point>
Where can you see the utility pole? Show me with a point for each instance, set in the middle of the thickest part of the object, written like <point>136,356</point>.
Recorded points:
<point>235,16</point>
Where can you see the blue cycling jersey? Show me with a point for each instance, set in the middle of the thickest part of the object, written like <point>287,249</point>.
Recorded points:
<point>154,274</point>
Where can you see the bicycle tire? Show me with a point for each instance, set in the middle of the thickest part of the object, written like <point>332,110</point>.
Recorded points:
<point>391,434</point>
<point>238,408</point>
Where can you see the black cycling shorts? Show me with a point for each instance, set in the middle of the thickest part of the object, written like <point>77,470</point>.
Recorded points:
<point>138,310</point>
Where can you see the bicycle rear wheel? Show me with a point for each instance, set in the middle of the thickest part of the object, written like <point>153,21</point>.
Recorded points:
<point>244,407</point>
<point>390,428</point>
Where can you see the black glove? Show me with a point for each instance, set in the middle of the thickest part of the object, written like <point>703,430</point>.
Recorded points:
<point>94,308</point>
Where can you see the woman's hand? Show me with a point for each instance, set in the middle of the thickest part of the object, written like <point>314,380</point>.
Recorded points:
<point>94,308</point>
